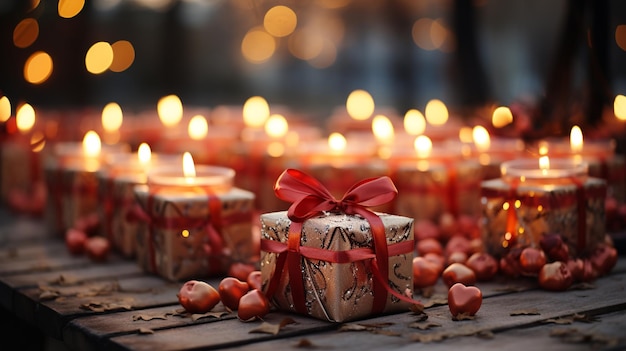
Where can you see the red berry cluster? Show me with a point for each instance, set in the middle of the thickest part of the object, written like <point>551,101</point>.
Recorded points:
<point>82,238</point>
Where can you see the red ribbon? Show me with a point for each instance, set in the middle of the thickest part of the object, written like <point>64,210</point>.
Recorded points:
<point>309,199</point>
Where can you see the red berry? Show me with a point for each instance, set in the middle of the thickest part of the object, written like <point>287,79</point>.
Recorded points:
<point>198,296</point>
<point>458,273</point>
<point>555,276</point>
<point>531,260</point>
<point>484,265</point>
<point>97,248</point>
<point>429,245</point>
<point>253,305</point>
<point>255,280</point>
<point>75,241</point>
<point>231,290</point>
<point>425,273</point>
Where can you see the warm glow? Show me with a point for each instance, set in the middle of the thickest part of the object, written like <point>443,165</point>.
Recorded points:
<point>423,146</point>
<point>414,122</point>
<point>544,164</point>
<point>25,33</point>
<point>337,142</point>
<point>280,21</point>
<point>501,117</point>
<point>123,55</point>
<point>543,147</point>
<point>256,111</point>
<point>481,138</point>
<point>5,109</point>
<point>360,105</point>
<point>112,117</point>
<point>38,67</point>
<point>198,127</point>
<point>576,139</point>
<point>620,36</point>
<point>436,112</point>
<point>189,168</point>
<point>382,129</point>
<point>619,107</point>
<point>276,126</point>
<point>258,46</point>
<point>466,135</point>
<point>275,149</point>
<point>25,118</point>
<point>306,44</point>
<point>70,8</point>
<point>170,110</point>
<point>91,144</point>
<point>37,141</point>
<point>144,154</point>
<point>99,57</point>
<point>429,34</point>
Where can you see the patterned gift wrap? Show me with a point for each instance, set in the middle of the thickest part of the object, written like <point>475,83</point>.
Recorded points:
<point>521,214</point>
<point>338,291</point>
<point>192,235</point>
<point>427,193</point>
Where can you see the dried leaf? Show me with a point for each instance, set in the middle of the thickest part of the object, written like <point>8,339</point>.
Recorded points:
<point>63,280</point>
<point>485,334</point>
<point>436,300</point>
<point>385,332</point>
<point>424,325</point>
<point>352,327</point>
<point>145,331</point>
<point>149,317</point>
<point>377,325</point>
<point>96,306</point>
<point>305,344</point>
<point>463,317</point>
<point>426,338</point>
<point>210,314</point>
<point>274,329</point>
<point>561,320</point>
<point>585,318</point>
<point>47,295</point>
<point>529,312</point>
<point>417,308</point>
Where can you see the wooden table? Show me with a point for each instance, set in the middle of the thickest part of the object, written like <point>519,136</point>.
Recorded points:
<point>52,300</point>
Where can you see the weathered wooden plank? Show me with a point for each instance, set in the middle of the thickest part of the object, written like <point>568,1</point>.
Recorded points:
<point>16,229</point>
<point>76,276</point>
<point>494,316</point>
<point>31,250</point>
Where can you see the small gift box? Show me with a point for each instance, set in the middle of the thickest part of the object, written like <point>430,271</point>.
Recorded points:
<point>194,230</point>
<point>529,202</point>
<point>335,259</point>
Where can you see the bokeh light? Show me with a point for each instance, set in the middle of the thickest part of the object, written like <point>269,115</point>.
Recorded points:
<point>360,105</point>
<point>5,109</point>
<point>620,36</point>
<point>25,33</point>
<point>436,112</point>
<point>198,127</point>
<point>258,46</point>
<point>70,8</point>
<point>25,118</point>
<point>280,21</point>
<point>123,55</point>
<point>38,67</point>
<point>99,57</point>
<point>256,111</point>
<point>170,110</point>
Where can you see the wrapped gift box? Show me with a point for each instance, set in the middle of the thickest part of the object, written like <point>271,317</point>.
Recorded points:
<point>191,235</point>
<point>339,291</point>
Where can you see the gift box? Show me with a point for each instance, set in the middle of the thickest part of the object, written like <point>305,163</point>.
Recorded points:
<point>192,235</point>
<point>519,212</point>
<point>335,259</point>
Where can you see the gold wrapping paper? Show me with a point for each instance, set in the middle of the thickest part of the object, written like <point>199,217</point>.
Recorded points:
<point>338,291</point>
<point>437,189</point>
<point>533,221</point>
<point>182,253</point>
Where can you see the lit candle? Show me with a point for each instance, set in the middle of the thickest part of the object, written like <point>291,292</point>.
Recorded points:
<point>433,181</point>
<point>491,152</point>
<point>197,222</point>
<point>600,156</point>
<point>537,197</point>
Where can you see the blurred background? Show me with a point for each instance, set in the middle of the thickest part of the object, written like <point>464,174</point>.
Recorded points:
<point>560,59</point>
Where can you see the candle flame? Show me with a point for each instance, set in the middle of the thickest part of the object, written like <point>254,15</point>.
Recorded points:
<point>5,109</point>
<point>619,107</point>
<point>337,142</point>
<point>576,139</point>
<point>144,154</point>
<point>189,169</point>
<point>436,112</point>
<point>481,138</point>
<point>198,127</point>
<point>543,148</point>
<point>501,117</point>
<point>544,164</point>
<point>276,126</point>
<point>91,144</point>
<point>25,118</point>
<point>414,122</point>
<point>360,105</point>
<point>170,110</point>
<point>255,112</point>
<point>423,146</point>
<point>382,129</point>
<point>112,117</point>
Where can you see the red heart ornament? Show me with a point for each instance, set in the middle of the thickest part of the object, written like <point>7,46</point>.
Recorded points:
<point>255,280</point>
<point>231,290</point>
<point>253,305</point>
<point>464,299</point>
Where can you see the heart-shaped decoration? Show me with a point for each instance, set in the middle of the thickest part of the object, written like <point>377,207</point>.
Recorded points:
<point>464,299</point>
<point>231,290</point>
<point>253,305</point>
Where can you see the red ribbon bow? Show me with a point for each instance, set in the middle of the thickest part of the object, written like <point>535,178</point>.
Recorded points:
<point>310,198</point>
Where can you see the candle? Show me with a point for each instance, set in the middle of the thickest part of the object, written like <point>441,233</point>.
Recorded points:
<point>116,192</point>
<point>432,181</point>
<point>537,197</point>
<point>196,223</point>
<point>71,179</point>
<point>598,154</point>
<point>491,152</point>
